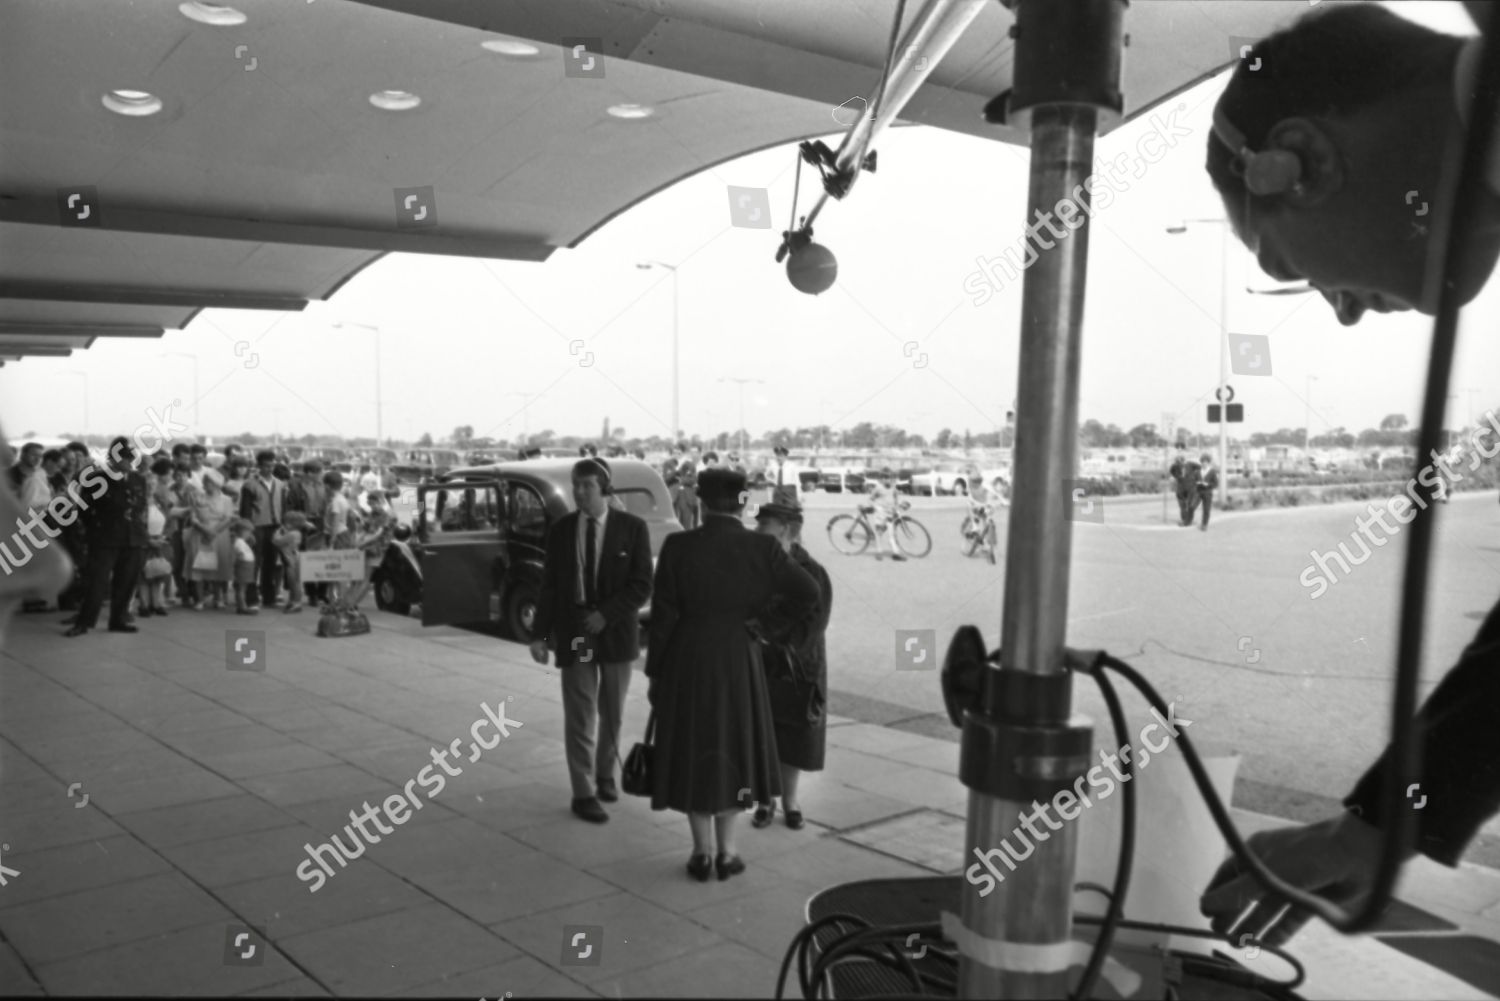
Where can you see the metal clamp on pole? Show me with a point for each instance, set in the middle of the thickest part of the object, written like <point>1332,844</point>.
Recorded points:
<point>1020,745</point>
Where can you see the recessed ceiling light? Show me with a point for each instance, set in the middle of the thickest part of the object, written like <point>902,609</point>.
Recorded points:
<point>135,103</point>
<point>631,111</point>
<point>394,100</point>
<point>211,13</point>
<point>511,47</point>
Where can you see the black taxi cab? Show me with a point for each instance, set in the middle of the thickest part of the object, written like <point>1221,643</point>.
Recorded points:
<point>478,542</point>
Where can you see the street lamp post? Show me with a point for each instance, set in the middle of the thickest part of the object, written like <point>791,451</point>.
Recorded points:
<point>647,266</point>
<point>1223,225</point>
<point>742,383</point>
<point>379,429</point>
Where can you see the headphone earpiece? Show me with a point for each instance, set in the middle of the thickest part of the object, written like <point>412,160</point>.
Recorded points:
<point>1272,172</point>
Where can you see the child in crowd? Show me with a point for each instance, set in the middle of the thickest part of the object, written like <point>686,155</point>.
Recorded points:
<point>288,542</point>
<point>151,593</point>
<point>244,564</point>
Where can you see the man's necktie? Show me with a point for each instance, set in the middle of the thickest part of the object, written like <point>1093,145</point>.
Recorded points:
<point>780,473</point>
<point>590,597</point>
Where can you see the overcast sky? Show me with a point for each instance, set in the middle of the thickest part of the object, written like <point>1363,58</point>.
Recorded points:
<point>462,339</point>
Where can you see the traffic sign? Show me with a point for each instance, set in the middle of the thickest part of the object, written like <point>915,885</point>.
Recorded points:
<point>1236,414</point>
<point>1219,394</point>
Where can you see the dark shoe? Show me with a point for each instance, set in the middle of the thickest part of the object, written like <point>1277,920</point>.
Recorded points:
<point>608,792</point>
<point>699,867</point>
<point>76,631</point>
<point>897,556</point>
<point>161,611</point>
<point>794,819</point>
<point>590,810</point>
<point>250,610</point>
<point>729,865</point>
<point>123,629</point>
<point>763,815</point>
<point>70,620</point>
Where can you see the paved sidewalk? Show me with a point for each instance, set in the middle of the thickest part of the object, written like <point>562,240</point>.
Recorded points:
<point>154,802</point>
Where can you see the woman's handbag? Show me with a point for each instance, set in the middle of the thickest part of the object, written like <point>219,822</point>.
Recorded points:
<point>206,559</point>
<point>636,775</point>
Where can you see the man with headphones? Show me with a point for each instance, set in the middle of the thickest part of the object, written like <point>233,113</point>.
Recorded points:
<point>1317,161</point>
<point>595,580</point>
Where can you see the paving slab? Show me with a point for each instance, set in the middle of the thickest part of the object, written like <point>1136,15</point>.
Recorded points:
<point>391,952</point>
<point>203,820</point>
<point>55,871</point>
<point>191,961</point>
<point>71,924</point>
<point>620,932</point>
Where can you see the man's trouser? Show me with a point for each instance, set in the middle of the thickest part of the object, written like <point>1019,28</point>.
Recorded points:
<point>1207,499</point>
<point>117,570</point>
<point>593,693</point>
<point>1186,506</point>
<point>269,559</point>
<point>288,546</point>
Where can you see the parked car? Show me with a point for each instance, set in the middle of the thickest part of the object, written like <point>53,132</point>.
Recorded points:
<point>480,535</point>
<point>945,478</point>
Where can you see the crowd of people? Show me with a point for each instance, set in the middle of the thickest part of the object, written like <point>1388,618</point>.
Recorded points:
<point>736,664</point>
<point>146,532</point>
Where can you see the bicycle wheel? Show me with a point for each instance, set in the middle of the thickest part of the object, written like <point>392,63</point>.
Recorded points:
<point>967,527</point>
<point>912,537</point>
<point>990,537</point>
<point>848,534</point>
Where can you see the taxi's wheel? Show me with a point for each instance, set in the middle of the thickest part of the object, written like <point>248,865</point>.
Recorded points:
<point>520,612</point>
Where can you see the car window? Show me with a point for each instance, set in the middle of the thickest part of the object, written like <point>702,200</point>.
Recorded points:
<point>638,501</point>
<point>528,516</point>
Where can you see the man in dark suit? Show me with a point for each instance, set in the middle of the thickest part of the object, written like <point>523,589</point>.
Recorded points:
<point>1185,471</point>
<point>1208,482</point>
<point>596,578</point>
<point>262,503</point>
<point>117,539</point>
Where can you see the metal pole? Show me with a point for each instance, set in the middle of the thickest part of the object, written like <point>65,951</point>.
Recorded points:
<point>1224,363</point>
<point>1022,745</point>
<point>676,422</point>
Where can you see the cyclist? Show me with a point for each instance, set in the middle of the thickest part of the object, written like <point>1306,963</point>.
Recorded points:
<point>881,510</point>
<point>981,513</point>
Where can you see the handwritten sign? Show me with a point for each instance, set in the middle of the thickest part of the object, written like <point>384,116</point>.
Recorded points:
<point>332,565</point>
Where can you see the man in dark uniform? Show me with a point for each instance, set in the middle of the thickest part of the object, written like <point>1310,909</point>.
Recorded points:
<point>1185,472</point>
<point>717,590</point>
<point>117,539</point>
<point>795,656</point>
<point>596,578</point>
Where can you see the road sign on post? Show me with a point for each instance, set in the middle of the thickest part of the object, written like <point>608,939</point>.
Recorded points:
<point>1236,413</point>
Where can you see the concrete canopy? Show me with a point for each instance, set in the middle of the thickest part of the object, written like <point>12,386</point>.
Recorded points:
<point>268,176</point>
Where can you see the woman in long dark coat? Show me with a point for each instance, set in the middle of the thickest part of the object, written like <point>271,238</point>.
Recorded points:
<point>715,742</point>
<point>796,662</point>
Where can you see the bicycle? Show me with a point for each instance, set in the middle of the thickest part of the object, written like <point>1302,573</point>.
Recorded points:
<point>978,529</point>
<point>851,534</point>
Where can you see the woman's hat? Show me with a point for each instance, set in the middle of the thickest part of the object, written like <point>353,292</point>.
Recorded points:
<point>787,514</point>
<point>717,484</point>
